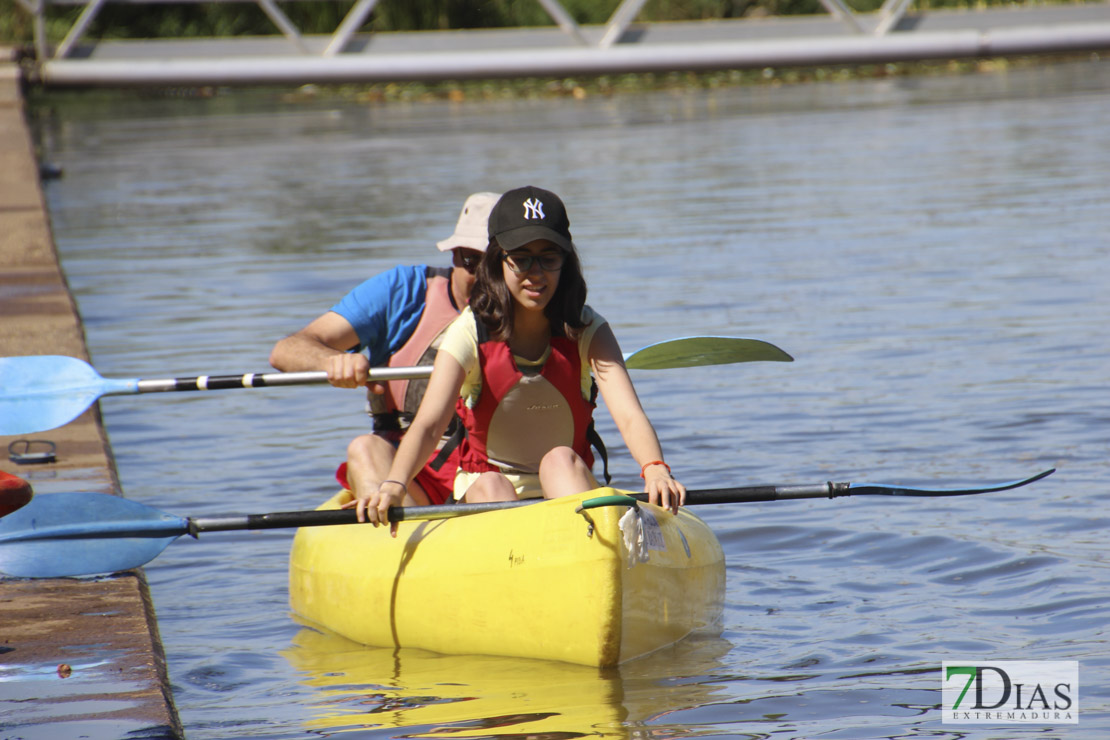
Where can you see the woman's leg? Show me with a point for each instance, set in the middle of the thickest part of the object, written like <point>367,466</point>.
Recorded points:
<point>564,473</point>
<point>490,487</point>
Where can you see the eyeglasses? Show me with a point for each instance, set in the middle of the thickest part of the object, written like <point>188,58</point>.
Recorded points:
<point>521,264</point>
<point>467,259</point>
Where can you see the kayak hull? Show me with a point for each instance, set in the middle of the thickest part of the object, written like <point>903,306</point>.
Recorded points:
<point>539,581</point>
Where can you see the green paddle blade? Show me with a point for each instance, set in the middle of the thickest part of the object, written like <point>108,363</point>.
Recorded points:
<point>702,351</point>
<point>76,534</point>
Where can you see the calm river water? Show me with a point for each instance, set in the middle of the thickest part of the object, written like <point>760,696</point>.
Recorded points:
<point>934,252</point>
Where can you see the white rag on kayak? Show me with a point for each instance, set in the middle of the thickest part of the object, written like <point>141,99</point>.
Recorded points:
<point>635,539</point>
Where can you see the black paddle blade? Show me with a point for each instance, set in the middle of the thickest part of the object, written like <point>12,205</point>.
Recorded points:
<point>873,489</point>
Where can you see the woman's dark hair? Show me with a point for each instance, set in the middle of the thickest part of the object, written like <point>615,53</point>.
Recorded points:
<point>493,304</point>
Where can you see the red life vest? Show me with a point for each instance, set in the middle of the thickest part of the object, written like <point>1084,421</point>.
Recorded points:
<point>404,395</point>
<point>518,418</point>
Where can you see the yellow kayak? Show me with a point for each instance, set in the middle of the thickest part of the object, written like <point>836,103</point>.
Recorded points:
<point>549,580</point>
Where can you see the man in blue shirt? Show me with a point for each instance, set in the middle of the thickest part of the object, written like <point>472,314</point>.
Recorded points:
<point>398,316</point>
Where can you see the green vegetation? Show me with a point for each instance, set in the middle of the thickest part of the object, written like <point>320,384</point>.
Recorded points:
<point>605,86</point>
<point>685,82</point>
<point>127,20</point>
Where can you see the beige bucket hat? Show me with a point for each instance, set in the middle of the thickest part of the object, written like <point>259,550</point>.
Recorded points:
<point>472,230</point>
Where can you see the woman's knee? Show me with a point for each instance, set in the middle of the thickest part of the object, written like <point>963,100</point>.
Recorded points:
<point>490,487</point>
<point>562,459</point>
<point>564,473</point>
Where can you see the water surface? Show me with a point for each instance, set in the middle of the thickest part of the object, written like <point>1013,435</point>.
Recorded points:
<point>932,251</point>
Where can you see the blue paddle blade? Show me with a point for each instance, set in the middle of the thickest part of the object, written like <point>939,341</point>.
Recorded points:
<point>46,391</point>
<point>78,534</point>
<point>702,351</point>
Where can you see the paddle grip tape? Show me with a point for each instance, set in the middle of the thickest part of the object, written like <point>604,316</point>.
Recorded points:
<point>205,383</point>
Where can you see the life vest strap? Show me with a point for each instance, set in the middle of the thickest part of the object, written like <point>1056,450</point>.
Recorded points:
<point>456,432</point>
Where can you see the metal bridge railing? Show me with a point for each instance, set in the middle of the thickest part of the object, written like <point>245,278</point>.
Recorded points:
<point>616,26</point>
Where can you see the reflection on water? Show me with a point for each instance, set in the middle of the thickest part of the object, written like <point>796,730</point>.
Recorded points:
<point>433,695</point>
<point>933,252</point>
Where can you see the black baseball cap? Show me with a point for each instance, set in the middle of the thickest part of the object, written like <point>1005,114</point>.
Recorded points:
<point>529,213</point>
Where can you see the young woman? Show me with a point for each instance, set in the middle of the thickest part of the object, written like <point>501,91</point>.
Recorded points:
<point>516,366</point>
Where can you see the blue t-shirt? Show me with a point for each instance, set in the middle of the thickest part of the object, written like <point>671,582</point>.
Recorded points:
<point>385,310</point>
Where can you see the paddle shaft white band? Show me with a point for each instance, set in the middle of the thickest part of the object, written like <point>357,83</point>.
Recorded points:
<point>269,380</point>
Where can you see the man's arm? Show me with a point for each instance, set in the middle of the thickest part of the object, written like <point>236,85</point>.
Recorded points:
<point>324,345</point>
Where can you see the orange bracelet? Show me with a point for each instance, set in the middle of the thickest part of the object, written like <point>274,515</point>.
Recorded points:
<point>654,462</point>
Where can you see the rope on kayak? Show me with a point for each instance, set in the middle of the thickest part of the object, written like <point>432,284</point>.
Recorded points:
<point>631,525</point>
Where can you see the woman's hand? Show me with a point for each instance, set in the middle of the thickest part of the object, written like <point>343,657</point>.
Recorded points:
<point>662,489</point>
<point>373,505</point>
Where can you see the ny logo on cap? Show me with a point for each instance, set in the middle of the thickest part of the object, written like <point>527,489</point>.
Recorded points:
<point>533,208</point>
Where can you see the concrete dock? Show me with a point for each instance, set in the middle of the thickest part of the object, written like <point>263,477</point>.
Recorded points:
<point>78,657</point>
